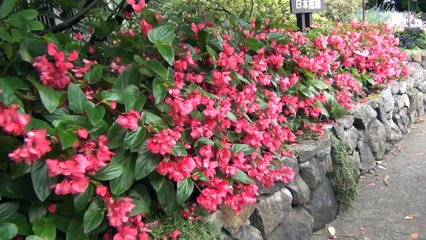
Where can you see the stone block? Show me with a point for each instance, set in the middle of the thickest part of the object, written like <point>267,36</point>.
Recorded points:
<point>232,221</point>
<point>306,150</point>
<point>388,100</point>
<point>312,173</point>
<point>247,232</point>
<point>367,158</point>
<point>393,134</point>
<point>299,190</point>
<point>375,134</point>
<point>271,211</point>
<point>419,103</point>
<point>363,115</point>
<point>216,219</point>
<point>402,101</point>
<point>346,121</point>
<point>298,225</point>
<point>323,205</point>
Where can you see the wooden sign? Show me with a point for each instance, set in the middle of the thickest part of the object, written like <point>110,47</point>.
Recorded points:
<point>306,6</point>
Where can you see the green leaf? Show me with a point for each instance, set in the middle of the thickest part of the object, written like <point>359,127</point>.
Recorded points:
<point>159,90</point>
<point>6,7</point>
<point>75,230</point>
<point>141,198</point>
<point>7,209</point>
<point>50,98</point>
<point>129,76</point>
<point>40,124</point>
<point>166,195</point>
<point>76,98</point>
<point>306,91</point>
<point>158,68</point>
<point>21,221</point>
<point>275,36</point>
<point>7,96</point>
<point>111,171</point>
<point>233,136</point>
<point>134,139</point>
<point>66,137</point>
<point>164,33</point>
<point>33,237</point>
<point>44,228</point>
<point>93,216</point>
<point>9,188</point>
<point>205,140</point>
<point>95,113</point>
<point>146,162</point>
<point>41,181</point>
<point>179,150</point>
<point>36,211</point>
<point>115,135</point>
<point>231,117</point>
<point>81,200</point>
<point>320,84</point>
<point>184,190</point>
<point>8,230</point>
<point>36,26</point>
<point>154,121</point>
<point>125,181</point>
<point>133,98</point>
<point>166,51</point>
<point>254,44</point>
<point>246,149</point>
<point>94,74</point>
<point>243,177</point>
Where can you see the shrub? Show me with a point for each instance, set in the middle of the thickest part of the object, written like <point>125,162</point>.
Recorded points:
<point>342,10</point>
<point>344,177</point>
<point>110,135</point>
<point>412,38</point>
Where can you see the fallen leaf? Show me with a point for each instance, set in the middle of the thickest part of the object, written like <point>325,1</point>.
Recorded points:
<point>366,238</point>
<point>419,154</point>
<point>331,231</point>
<point>414,236</point>
<point>386,180</point>
<point>362,230</point>
<point>381,167</point>
<point>348,234</point>
<point>371,184</point>
<point>410,217</point>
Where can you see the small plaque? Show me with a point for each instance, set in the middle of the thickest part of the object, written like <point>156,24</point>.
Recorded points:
<point>306,6</point>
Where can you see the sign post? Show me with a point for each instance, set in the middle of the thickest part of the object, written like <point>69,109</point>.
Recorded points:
<point>304,9</point>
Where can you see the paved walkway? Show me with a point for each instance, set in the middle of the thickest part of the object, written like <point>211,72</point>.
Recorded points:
<point>396,210</point>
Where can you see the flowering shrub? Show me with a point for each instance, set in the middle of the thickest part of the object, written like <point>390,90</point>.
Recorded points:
<point>162,116</point>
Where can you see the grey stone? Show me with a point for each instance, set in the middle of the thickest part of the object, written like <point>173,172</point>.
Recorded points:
<point>312,173</point>
<point>414,116</point>
<point>298,225</point>
<point>306,150</point>
<point>375,134</point>
<point>395,88</point>
<point>422,86</point>
<point>216,219</point>
<point>419,103</point>
<point>351,137</point>
<point>363,115</point>
<point>299,190</point>
<point>323,205</point>
<point>388,100</point>
<point>346,121</point>
<point>324,152</point>
<point>413,68</point>
<point>367,158</point>
<point>393,134</point>
<point>424,62</point>
<point>403,88</point>
<point>248,232</point>
<point>402,101</point>
<point>271,211</point>
<point>291,161</point>
<point>357,160</point>
<point>416,57</point>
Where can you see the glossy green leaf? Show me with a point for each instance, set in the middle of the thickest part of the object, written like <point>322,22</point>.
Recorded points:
<point>76,98</point>
<point>159,90</point>
<point>153,120</point>
<point>36,211</point>
<point>75,230</point>
<point>8,230</point>
<point>9,188</point>
<point>82,200</point>
<point>6,7</point>
<point>125,181</point>
<point>164,33</point>
<point>243,177</point>
<point>93,216</point>
<point>179,150</point>
<point>246,149</point>
<point>44,228</point>
<point>7,96</point>
<point>21,221</point>
<point>158,68</point>
<point>133,139</point>
<point>41,181</point>
<point>146,162</point>
<point>184,190</point>
<point>166,51</point>
<point>166,193</point>
<point>7,209</point>
<point>133,98</point>
<point>50,98</point>
<point>233,136</point>
<point>115,135</point>
<point>95,113</point>
<point>94,74</point>
<point>111,171</point>
<point>67,137</point>
<point>253,44</point>
<point>141,198</point>
<point>129,76</point>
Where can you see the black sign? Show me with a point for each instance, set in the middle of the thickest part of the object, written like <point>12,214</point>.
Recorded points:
<point>306,6</point>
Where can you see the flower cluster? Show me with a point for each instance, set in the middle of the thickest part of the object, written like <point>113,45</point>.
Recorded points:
<point>35,146</point>
<point>11,121</point>
<point>91,157</point>
<point>55,74</point>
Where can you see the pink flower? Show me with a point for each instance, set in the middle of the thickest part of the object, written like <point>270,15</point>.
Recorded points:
<point>163,141</point>
<point>130,120</point>
<point>118,210</point>
<point>82,133</point>
<point>78,36</point>
<point>11,121</point>
<point>52,208</point>
<point>145,26</point>
<point>35,146</point>
<point>175,234</point>
<point>137,5</point>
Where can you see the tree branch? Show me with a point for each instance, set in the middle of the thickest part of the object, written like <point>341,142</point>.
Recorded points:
<point>224,9</point>
<point>70,22</point>
<point>251,8</point>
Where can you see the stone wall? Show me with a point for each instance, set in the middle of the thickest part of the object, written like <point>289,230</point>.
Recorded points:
<point>295,210</point>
